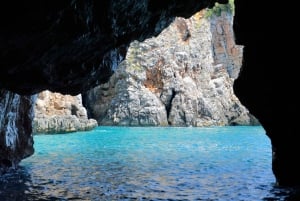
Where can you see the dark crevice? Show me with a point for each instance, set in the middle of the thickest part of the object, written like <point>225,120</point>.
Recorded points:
<point>74,110</point>
<point>169,103</point>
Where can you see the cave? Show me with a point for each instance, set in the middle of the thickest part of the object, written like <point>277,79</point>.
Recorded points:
<point>72,46</point>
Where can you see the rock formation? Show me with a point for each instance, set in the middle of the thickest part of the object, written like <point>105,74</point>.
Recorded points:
<point>16,116</point>
<point>57,113</point>
<point>182,77</point>
<point>268,82</point>
<point>69,47</point>
<point>72,46</point>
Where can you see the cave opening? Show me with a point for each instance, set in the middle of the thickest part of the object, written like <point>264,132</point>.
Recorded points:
<point>254,86</point>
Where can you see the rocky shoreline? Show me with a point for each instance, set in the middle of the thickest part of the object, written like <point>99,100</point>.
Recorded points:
<point>183,77</point>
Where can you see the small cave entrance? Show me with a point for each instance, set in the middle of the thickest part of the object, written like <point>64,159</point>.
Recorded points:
<point>74,110</point>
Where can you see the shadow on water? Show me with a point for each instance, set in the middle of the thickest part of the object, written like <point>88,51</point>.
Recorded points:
<point>16,185</point>
<point>283,194</point>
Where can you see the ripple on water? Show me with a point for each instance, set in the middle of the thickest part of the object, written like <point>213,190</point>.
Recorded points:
<point>119,163</point>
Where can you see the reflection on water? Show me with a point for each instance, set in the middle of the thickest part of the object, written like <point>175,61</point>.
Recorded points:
<point>285,194</point>
<point>173,164</point>
<point>18,186</point>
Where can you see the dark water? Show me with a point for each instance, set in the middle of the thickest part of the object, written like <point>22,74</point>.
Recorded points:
<point>121,163</point>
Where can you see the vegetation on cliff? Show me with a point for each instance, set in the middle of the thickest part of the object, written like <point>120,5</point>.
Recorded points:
<point>219,8</point>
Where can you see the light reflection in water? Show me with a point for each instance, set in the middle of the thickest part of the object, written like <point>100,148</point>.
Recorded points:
<point>110,163</point>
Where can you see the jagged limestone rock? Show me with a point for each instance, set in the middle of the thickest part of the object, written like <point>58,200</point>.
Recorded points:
<point>71,46</point>
<point>57,113</point>
<point>183,77</point>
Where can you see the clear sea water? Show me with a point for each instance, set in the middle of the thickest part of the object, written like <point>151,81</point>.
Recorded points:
<point>147,163</point>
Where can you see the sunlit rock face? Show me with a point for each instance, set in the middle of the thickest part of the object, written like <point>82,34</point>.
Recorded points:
<point>269,79</point>
<point>57,113</point>
<point>183,77</point>
<point>68,47</point>
<point>16,115</point>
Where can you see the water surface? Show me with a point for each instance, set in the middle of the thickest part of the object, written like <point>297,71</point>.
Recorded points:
<point>156,163</point>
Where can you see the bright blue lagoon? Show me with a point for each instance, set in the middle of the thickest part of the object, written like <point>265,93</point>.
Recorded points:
<point>156,163</point>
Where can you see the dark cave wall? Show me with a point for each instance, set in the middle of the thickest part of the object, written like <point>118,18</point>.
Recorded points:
<point>68,47</point>
<point>16,116</point>
<point>267,83</point>
<point>71,46</point>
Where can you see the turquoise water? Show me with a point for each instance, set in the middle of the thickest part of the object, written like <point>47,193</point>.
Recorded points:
<point>133,163</point>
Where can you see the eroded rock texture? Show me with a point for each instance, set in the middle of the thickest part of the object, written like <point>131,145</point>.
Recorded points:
<point>69,47</point>
<point>16,115</point>
<point>183,77</point>
<point>57,113</point>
